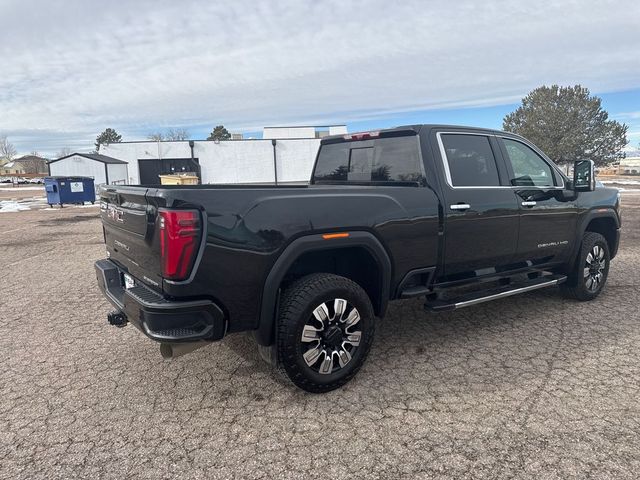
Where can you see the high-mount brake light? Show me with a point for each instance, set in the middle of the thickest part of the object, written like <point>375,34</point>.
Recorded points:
<point>179,241</point>
<point>361,135</point>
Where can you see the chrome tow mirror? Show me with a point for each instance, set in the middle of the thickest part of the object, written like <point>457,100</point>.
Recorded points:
<point>584,177</point>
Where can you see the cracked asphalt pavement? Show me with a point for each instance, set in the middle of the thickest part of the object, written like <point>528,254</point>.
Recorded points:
<point>532,386</point>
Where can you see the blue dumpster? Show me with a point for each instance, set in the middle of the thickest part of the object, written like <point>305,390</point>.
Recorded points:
<point>63,190</point>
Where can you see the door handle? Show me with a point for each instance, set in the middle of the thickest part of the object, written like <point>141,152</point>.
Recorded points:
<point>460,206</point>
<point>529,203</point>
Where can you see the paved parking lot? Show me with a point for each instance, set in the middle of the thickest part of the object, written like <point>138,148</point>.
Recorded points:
<point>530,387</point>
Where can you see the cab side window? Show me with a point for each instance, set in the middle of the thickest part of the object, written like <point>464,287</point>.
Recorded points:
<point>529,169</point>
<point>470,160</point>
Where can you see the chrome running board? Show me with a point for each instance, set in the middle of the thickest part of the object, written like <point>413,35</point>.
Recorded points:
<point>482,296</point>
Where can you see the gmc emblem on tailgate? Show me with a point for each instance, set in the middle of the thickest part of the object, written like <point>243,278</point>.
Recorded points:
<point>115,214</point>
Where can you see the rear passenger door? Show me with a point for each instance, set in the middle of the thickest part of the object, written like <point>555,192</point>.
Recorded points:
<point>548,212</point>
<point>480,209</point>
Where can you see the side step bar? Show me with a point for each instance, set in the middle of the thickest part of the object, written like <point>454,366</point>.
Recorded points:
<point>482,296</point>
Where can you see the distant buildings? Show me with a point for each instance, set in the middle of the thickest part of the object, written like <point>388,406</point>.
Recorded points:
<point>627,166</point>
<point>223,162</point>
<point>27,164</point>
<point>630,165</point>
<point>284,155</point>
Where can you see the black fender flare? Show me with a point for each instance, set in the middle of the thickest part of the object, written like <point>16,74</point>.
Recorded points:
<point>588,216</point>
<point>265,333</point>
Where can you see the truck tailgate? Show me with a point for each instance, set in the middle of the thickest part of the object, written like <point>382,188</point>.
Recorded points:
<point>130,232</point>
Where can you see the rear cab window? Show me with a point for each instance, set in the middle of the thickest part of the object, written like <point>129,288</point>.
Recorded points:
<point>386,160</point>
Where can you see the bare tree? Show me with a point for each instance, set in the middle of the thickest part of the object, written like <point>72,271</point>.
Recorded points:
<point>172,134</point>
<point>177,134</point>
<point>7,150</point>
<point>156,137</point>
<point>63,152</point>
<point>33,164</point>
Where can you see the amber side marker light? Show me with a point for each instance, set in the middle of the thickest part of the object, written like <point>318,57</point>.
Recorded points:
<point>331,236</point>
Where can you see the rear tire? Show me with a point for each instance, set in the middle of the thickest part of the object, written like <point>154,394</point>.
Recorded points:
<point>590,272</point>
<point>325,330</point>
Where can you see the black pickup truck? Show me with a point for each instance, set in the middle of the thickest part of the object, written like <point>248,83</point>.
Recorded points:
<point>456,215</point>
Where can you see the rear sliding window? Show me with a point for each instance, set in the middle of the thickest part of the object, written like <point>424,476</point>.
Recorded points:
<point>392,159</point>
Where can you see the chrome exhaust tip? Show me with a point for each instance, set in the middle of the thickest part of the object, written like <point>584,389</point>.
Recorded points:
<point>173,350</point>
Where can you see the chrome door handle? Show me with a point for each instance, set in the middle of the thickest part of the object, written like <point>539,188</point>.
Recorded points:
<point>460,206</point>
<point>529,204</point>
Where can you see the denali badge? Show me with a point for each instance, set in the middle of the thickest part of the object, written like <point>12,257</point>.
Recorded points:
<point>553,244</point>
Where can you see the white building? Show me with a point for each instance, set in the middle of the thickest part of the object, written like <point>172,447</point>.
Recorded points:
<point>285,155</point>
<point>101,168</point>
<point>630,165</point>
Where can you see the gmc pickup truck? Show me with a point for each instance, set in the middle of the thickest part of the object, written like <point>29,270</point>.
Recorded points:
<point>456,215</point>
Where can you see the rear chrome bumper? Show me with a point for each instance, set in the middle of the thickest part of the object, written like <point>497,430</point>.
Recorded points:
<point>160,319</point>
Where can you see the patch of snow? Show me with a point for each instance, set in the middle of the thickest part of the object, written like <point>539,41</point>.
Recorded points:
<point>7,206</point>
<point>19,189</point>
<point>622,182</point>
<point>56,208</point>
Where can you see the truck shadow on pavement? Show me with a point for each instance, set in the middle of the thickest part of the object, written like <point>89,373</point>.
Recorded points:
<point>511,341</point>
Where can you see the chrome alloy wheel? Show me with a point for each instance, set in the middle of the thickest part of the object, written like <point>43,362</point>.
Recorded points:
<point>331,335</point>
<point>594,268</point>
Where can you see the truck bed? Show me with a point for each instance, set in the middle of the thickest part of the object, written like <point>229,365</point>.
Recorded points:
<point>246,227</point>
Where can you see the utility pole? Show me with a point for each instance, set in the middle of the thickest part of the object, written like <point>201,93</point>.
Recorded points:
<point>275,165</point>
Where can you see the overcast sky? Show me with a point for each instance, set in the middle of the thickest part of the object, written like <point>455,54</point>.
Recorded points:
<point>70,69</point>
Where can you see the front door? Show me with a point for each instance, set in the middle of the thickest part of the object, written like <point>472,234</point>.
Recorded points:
<point>548,213</point>
<point>481,212</point>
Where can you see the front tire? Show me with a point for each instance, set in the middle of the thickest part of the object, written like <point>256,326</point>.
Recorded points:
<point>591,269</point>
<point>325,330</point>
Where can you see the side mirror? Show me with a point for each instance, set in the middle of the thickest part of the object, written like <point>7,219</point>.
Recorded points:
<point>584,177</point>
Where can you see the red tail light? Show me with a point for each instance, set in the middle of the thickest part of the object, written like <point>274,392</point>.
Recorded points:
<point>179,241</point>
